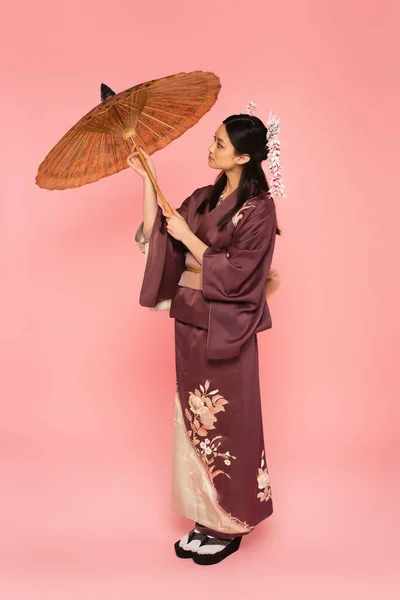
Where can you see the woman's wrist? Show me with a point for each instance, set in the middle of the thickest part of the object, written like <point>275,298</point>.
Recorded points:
<point>149,193</point>
<point>194,245</point>
<point>188,238</point>
<point>147,182</point>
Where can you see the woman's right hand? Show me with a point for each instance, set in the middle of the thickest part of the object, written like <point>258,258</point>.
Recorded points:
<point>134,162</point>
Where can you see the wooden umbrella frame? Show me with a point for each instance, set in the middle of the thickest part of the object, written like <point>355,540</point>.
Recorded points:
<point>166,206</point>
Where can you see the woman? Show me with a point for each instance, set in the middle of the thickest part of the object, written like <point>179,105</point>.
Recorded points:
<point>209,263</point>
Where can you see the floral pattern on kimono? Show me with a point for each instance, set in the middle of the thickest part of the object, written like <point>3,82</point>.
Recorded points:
<point>263,481</point>
<point>239,215</point>
<point>205,405</point>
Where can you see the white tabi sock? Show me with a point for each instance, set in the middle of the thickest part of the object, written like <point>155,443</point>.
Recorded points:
<point>213,545</point>
<point>194,544</point>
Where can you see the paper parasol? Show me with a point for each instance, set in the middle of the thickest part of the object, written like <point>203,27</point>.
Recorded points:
<point>149,116</point>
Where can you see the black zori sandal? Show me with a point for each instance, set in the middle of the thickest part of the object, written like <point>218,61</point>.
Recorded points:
<point>231,545</point>
<point>193,535</point>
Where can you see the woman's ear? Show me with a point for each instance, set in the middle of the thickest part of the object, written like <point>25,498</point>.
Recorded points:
<point>243,159</point>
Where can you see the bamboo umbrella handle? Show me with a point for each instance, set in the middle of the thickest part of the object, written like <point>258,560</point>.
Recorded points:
<point>164,202</point>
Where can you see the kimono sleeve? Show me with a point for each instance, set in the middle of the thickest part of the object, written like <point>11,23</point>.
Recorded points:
<point>165,260</point>
<point>233,279</point>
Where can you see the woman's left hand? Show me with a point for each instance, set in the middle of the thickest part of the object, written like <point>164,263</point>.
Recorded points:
<point>176,225</point>
<point>273,282</point>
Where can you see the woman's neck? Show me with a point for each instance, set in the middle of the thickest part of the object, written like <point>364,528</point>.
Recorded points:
<point>233,179</point>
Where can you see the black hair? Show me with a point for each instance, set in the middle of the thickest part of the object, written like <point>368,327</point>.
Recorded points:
<point>248,135</point>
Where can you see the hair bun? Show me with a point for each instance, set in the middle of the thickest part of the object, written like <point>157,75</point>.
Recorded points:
<point>261,155</point>
<point>265,153</point>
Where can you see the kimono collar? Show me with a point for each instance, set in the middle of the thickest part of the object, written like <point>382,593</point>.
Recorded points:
<point>230,201</point>
<point>226,204</point>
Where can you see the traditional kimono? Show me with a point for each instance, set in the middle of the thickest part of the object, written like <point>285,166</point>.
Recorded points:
<point>220,475</point>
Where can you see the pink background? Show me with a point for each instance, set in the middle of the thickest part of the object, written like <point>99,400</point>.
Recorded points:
<point>87,375</point>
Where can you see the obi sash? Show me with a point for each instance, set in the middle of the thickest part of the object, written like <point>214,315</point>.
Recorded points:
<point>192,276</point>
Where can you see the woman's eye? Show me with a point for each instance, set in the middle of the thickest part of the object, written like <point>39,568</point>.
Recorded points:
<point>219,145</point>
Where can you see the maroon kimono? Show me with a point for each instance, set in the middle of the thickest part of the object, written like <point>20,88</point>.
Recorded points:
<point>220,476</point>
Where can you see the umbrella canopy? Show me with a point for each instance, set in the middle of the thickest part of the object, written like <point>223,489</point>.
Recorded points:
<point>148,116</point>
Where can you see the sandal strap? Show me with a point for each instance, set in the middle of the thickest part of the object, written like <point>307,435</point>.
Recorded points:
<point>213,541</point>
<point>193,535</point>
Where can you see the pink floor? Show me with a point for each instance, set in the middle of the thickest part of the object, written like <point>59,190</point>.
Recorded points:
<point>334,535</point>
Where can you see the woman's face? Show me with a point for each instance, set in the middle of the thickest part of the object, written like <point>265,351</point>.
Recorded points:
<point>222,153</point>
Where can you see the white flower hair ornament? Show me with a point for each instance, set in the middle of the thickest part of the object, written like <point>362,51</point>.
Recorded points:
<point>274,150</point>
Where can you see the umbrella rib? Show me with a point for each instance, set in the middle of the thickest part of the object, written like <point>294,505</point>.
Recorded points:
<point>114,151</point>
<point>127,147</point>
<point>187,99</point>
<point>167,112</point>
<point>142,142</point>
<point>64,158</point>
<point>99,155</point>
<point>155,119</point>
<point>171,99</point>
<point>128,106</point>
<point>175,101</point>
<point>87,158</point>
<point>113,146</point>
<point>63,145</point>
<point>79,149</point>
<point>152,130</point>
